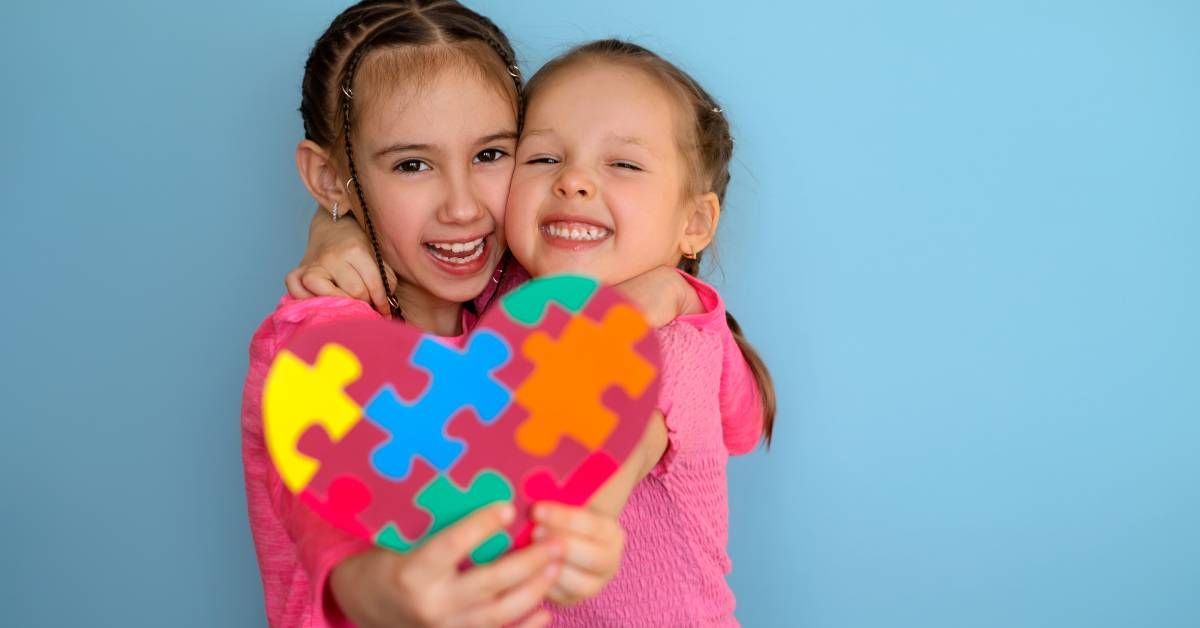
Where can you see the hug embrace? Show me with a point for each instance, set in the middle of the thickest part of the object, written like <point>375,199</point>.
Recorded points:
<point>444,181</point>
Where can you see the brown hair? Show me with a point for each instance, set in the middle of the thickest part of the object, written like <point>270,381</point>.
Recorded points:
<point>420,38</point>
<point>705,141</point>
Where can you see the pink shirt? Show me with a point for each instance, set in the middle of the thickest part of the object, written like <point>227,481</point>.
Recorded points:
<point>676,519</point>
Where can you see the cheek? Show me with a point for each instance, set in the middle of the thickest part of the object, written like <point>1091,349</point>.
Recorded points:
<point>400,222</point>
<point>522,207</point>
<point>494,192</point>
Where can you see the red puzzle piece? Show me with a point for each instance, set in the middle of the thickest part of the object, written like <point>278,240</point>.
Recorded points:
<point>346,458</point>
<point>541,485</point>
<point>347,497</point>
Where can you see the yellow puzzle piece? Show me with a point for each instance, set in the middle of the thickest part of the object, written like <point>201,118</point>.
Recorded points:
<point>296,396</point>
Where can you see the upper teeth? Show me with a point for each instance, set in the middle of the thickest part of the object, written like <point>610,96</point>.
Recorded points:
<point>457,247</point>
<point>576,233</point>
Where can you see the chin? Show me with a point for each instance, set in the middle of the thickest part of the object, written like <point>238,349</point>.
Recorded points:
<point>461,291</point>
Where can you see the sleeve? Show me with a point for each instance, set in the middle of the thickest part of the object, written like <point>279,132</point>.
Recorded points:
<point>296,549</point>
<point>741,402</point>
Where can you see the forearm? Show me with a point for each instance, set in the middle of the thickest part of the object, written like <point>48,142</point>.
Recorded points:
<point>611,497</point>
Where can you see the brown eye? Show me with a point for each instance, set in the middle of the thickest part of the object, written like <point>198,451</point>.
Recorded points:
<point>490,155</point>
<point>410,166</point>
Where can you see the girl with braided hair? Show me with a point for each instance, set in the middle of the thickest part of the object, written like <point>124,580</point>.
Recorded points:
<point>410,117</point>
<point>411,111</point>
<point>622,168</point>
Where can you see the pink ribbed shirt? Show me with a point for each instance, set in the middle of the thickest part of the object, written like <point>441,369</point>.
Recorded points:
<point>676,521</point>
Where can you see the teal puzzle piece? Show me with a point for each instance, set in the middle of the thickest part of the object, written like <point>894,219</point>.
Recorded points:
<point>447,503</point>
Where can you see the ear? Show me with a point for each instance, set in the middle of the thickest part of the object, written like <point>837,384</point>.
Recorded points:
<point>320,175</point>
<point>701,222</point>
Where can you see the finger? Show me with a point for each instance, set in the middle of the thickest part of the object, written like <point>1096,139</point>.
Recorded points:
<point>581,552</point>
<point>574,584</point>
<point>369,272</point>
<point>347,278</point>
<point>320,284</point>
<point>446,549</point>
<point>294,286</point>
<point>571,519</point>
<point>538,619</point>
<point>484,582</point>
<point>516,602</point>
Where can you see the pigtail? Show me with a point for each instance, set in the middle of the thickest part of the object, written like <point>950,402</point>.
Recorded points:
<point>709,145</point>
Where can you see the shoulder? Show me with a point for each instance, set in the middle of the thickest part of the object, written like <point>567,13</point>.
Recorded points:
<point>712,314</point>
<point>292,315</point>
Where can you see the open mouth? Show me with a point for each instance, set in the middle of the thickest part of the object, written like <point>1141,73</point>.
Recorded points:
<point>574,234</point>
<point>461,257</point>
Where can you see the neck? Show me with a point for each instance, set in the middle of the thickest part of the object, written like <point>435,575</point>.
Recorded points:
<point>429,313</point>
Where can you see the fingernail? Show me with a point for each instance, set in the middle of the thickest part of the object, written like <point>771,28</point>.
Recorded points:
<point>507,512</point>
<point>539,533</point>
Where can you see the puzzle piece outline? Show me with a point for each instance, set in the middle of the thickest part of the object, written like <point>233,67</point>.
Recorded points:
<point>458,380</point>
<point>298,395</point>
<point>553,395</point>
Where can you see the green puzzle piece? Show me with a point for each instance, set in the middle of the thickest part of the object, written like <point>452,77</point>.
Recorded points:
<point>447,504</point>
<point>527,304</point>
<point>390,538</point>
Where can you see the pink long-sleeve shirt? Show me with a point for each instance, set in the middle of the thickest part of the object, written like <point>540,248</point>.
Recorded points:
<point>676,521</point>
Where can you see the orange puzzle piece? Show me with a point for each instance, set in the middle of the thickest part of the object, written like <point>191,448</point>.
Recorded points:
<point>564,393</point>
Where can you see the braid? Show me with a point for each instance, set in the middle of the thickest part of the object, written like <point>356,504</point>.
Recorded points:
<point>347,95</point>
<point>510,64</point>
<point>372,24</point>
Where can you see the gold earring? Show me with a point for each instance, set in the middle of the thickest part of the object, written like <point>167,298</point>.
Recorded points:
<point>690,255</point>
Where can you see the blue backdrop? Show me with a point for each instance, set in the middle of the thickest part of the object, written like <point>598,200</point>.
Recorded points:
<point>966,237</point>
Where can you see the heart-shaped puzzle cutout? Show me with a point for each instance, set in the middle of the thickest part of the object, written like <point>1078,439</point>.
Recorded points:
<point>391,434</point>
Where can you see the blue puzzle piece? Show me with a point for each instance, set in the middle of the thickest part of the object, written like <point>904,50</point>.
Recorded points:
<point>457,380</point>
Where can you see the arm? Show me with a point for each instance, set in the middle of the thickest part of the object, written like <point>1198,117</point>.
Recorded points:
<point>311,569</point>
<point>592,536</point>
<point>339,261</point>
<point>425,588</point>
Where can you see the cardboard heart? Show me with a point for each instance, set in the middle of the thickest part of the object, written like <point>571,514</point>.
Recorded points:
<point>391,434</point>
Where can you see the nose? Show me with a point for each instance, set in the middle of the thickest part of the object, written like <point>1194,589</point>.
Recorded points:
<point>462,204</point>
<point>574,183</point>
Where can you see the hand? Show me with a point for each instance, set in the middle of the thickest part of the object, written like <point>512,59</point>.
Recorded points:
<point>592,545</point>
<point>662,295</point>
<point>339,262</point>
<point>425,588</point>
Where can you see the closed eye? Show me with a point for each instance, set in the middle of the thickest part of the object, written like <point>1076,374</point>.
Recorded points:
<point>629,165</point>
<point>412,166</point>
<point>542,159</point>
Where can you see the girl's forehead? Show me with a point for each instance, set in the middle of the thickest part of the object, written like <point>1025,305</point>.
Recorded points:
<point>605,100</point>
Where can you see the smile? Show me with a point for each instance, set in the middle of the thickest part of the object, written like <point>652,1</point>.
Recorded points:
<point>460,258</point>
<point>574,234</point>
<point>457,252</point>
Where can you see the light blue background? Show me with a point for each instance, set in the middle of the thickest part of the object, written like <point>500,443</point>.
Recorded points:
<point>966,237</point>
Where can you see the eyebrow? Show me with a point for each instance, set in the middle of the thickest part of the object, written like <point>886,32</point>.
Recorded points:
<point>403,148</point>
<point>628,139</point>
